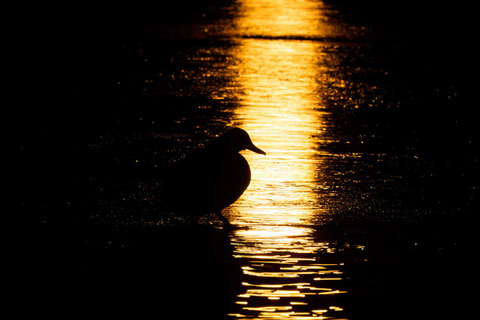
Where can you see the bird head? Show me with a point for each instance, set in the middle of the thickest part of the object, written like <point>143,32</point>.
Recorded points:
<point>237,139</point>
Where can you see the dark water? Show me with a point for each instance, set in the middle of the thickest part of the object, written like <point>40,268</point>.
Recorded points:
<point>361,209</point>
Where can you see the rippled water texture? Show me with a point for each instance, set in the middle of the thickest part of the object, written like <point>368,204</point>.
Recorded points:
<point>280,107</point>
<point>368,140</point>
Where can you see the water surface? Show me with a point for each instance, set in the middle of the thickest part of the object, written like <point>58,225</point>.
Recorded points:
<point>358,208</point>
<point>279,65</point>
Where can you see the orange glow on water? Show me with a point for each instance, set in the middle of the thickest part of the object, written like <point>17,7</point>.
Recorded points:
<point>282,18</point>
<point>280,111</point>
<point>279,106</point>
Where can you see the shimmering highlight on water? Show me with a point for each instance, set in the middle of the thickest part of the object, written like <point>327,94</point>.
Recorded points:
<point>280,107</point>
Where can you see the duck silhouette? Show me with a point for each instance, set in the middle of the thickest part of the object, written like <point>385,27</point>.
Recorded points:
<point>211,178</point>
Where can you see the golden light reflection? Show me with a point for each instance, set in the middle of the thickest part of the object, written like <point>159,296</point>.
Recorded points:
<point>279,108</point>
<point>280,112</point>
<point>283,19</point>
<point>278,69</point>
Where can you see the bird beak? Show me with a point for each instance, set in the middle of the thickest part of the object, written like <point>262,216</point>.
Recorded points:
<point>256,150</point>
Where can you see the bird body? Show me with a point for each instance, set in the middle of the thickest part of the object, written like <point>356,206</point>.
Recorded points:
<point>233,179</point>
<point>212,178</point>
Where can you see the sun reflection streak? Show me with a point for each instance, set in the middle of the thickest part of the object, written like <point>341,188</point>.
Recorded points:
<point>284,126</point>
<point>279,106</point>
<point>283,18</point>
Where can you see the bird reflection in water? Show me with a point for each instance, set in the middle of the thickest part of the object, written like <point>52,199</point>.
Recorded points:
<point>212,178</point>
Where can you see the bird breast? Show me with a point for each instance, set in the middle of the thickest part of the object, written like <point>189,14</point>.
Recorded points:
<point>233,179</point>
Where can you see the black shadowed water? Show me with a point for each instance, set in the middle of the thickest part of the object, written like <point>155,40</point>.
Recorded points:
<point>361,209</point>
